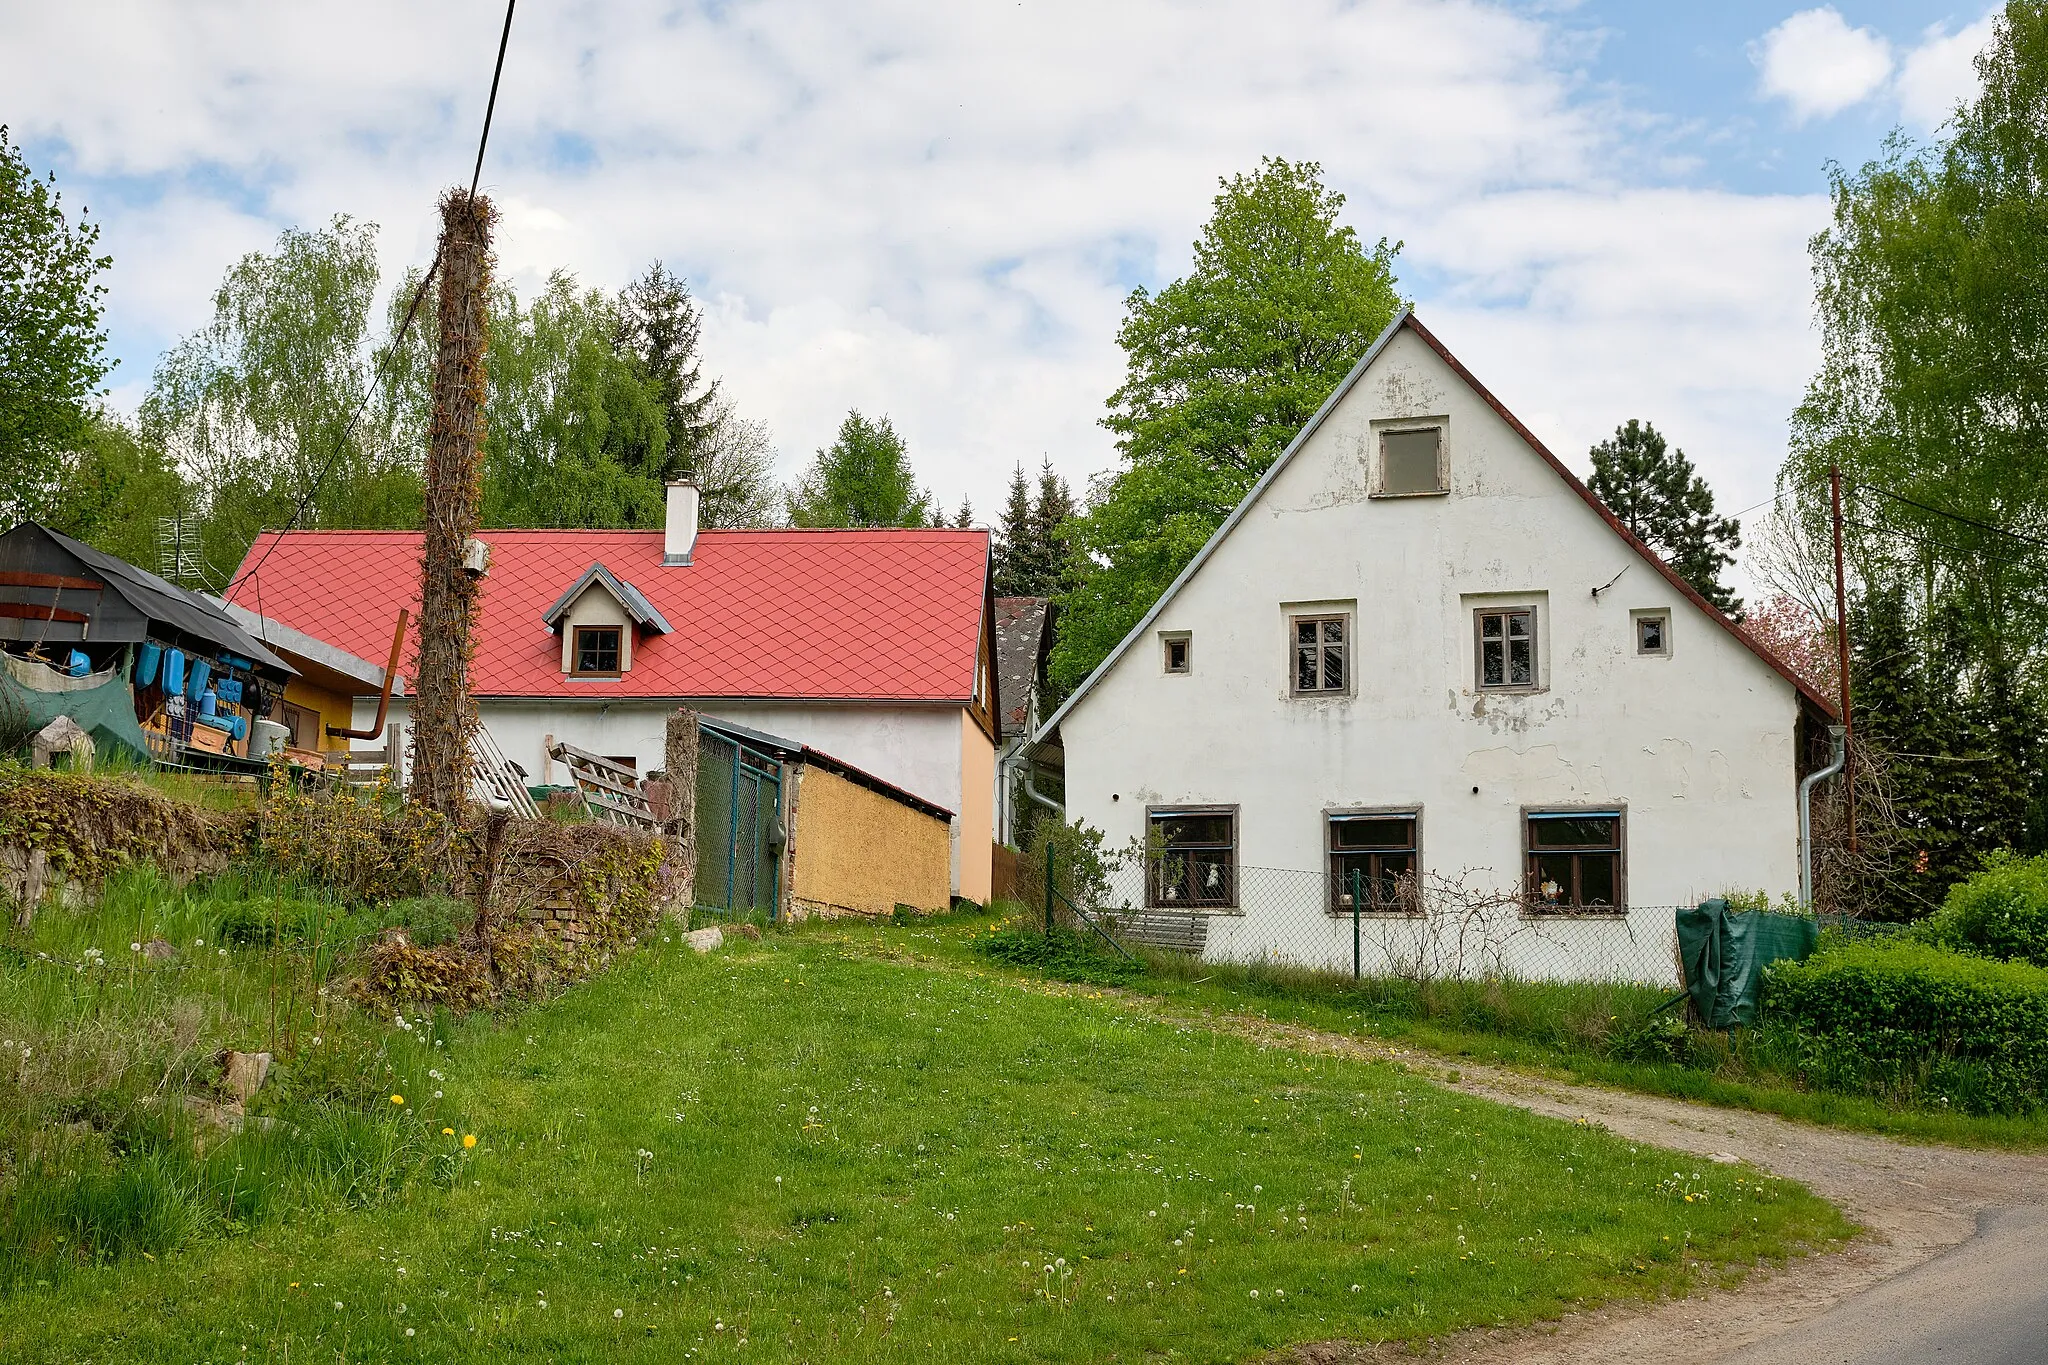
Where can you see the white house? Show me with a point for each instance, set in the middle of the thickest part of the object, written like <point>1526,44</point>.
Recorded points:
<point>1420,646</point>
<point>874,646</point>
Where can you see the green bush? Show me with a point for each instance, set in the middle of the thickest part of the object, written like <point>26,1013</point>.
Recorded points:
<point>2001,911</point>
<point>431,921</point>
<point>1914,1023</point>
<point>1061,954</point>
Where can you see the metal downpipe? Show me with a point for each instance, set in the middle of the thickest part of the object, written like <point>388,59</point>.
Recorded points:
<point>1837,734</point>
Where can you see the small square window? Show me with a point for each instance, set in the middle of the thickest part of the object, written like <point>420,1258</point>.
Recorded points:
<point>1653,633</point>
<point>1411,462</point>
<point>1321,656</point>
<point>1574,861</point>
<point>1506,649</point>
<point>597,650</point>
<point>1176,656</point>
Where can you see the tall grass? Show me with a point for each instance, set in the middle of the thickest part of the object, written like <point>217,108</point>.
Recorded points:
<point>116,1134</point>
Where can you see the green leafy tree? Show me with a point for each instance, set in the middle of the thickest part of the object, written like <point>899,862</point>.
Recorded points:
<point>52,347</point>
<point>735,469</point>
<point>1652,488</point>
<point>115,487</point>
<point>862,479</point>
<point>1222,368</point>
<point>259,407</point>
<point>576,429</point>
<point>1931,285</point>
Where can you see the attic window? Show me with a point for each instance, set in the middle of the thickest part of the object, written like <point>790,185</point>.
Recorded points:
<point>597,651</point>
<point>1176,652</point>
<point>1411,462</point>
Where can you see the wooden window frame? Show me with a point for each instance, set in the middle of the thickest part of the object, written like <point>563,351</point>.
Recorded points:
<point>1479,615</point>
<point>1663,618</point>
<point>1533,905</point>
<point>618,634</point>
<point>1443,473</point>
<point>1319,619</point>
<point>1155,887</point>
<point>1167,640</point>
<point>1409,905</point>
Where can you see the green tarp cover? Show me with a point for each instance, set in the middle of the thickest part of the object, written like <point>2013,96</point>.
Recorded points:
<point>106,712</point>
<point>1725,953</point>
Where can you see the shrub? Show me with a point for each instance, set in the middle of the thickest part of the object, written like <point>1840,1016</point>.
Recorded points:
<point>1061,954</point>
<point>431,921</point>
<point>2001,911</point>
<point>1914,1023</point>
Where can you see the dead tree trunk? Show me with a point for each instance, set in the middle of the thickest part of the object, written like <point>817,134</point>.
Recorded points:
<point>443,713</point>
<point>681,831</point>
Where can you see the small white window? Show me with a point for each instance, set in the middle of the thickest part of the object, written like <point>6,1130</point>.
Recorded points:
<point>1653,633</point>
<point>1411,462</point>
<point>1175,653</point>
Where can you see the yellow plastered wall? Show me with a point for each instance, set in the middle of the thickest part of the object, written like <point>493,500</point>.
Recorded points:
<point>977,809</point>
<point>857,851</point>
<point>329,708</point>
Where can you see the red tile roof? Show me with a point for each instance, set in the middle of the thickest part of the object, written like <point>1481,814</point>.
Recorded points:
<point>880,615</point>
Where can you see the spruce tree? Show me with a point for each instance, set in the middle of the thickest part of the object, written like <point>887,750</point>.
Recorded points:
<point>1013,539</point>
<point>862,479</point>
<point>1653,489</point>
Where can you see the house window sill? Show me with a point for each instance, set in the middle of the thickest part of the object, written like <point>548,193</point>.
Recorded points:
<point>593,677</point>
<point>1422,493</point>
<point>1577,913</point>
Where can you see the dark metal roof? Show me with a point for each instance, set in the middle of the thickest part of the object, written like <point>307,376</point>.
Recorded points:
<point>1021,643</point>
<point>631,598</point>
<point>161,600</point>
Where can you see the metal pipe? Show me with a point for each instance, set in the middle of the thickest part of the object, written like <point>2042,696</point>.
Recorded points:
<point>376,727</point>
<point>1838,736</point>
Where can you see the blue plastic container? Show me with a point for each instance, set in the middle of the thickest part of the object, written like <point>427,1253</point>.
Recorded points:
<point>174,670</point>
<point>209,703</point>
<point>146,663</point>
<point>78,665</point>
<point>230,689</point>
<point>196,683</point>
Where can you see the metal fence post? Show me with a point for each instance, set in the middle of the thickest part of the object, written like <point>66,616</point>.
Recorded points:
<point>1048,886</point>
<point>1356,887</point>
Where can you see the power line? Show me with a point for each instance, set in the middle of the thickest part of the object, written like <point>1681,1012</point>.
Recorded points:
<point>491,106</point>
<point>398,339</point>
<point>1952,516</point>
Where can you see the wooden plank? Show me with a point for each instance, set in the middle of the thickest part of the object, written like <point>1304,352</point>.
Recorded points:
<point>30,611</point>
<point>598,761</point>
<point>20,578</point>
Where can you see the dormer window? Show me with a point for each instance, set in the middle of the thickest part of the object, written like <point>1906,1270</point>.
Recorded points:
<point>596,651</point>
<point>600,620</point>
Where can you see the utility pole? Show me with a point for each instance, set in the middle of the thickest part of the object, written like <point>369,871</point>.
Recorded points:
<point>443,712</point>
<point>1842,658</point>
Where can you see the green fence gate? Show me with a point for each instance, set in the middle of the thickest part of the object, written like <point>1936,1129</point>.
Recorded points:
<point>739,827</point>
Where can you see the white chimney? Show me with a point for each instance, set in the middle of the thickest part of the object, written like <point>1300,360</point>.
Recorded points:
<point>681,536</point>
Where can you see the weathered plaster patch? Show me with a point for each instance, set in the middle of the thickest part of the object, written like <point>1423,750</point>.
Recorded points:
<point>1675,757</point>
<point>1541,773</point>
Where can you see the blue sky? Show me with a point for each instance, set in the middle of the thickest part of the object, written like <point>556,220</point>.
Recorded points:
<point>934,210</point>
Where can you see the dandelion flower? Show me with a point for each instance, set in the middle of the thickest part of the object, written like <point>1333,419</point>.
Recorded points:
<point>397,1099</point>
<point>447,1132</point>
<point>469,1139</point>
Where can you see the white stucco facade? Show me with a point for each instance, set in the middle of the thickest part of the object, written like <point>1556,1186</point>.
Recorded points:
<point>1694,748</point>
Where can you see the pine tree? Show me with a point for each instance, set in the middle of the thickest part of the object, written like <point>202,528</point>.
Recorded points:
<point>1652,488</point>
<point>1049,518</point>
<point>964,518</point>
<point>1013,539</point>
<point>659,325</point>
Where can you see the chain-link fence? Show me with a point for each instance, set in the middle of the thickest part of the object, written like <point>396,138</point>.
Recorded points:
<point>1343,924</point>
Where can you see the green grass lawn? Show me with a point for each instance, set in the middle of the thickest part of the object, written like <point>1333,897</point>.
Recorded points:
<point>799,1151</point>
<point>1534,1026</point>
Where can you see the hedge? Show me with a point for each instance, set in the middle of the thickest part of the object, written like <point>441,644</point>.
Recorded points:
<point>2001,911</point>
<point>1916,1023</point>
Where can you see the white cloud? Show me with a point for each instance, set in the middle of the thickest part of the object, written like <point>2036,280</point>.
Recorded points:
<point>1819,65</point>
<point>1940,72</point>
<point>935,210</point>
